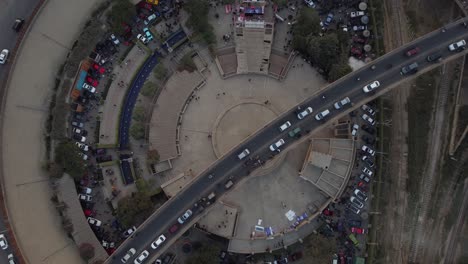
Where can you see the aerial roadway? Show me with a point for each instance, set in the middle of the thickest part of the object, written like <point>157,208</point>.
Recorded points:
<point>386,70</point>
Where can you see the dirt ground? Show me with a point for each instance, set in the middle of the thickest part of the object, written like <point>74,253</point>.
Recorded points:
<point>406,20</point>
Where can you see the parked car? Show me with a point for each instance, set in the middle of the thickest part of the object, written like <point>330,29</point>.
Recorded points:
<point>79,138</point>
<point>18,24</point>
<point>3,242</point>
<point>359,28</point>
<point>85,197</point>
<point>173,228</point>
<point>409,69</point>
<point>371,86</point>
<point>355,130</point>
<point>364,178</point>
<point>142,38</point>
<point>351,207</point>
<point>413,51</point>
<point>369,129</point>
<point>77,124</point>
<point>148,34</point>
<point>89,87</point>
<point>86,190</point>
<point>368,140</point>
<point>353,222</point>
<point>361,195</point>
<point>141,258</point>
<point>82,146</point>
<point>368,109</point>
<point>305,113</point>
<point>158,242</point>
<point>185,216</point>
<point>94,221</point>
<point>129,232</point>
<point>359,40</point>
<point>275,146</point>
<point>130,253</point>
<point>83,156</point>
<point>356,202</point>
<point>341,103</point>
<point>356,51</point>
<point>92,81</point>
<point>368,119</point>
<point>285,126</point>
<point>310,3</point>
<point>436,57</point>
<point>357,14</point>
<point>369,161</point>
<point>4,56</point>
<point>358,230</point>
<point>457,46</point>
<point>368,149</point>
<point>367,171</point>
<point>328,19</point>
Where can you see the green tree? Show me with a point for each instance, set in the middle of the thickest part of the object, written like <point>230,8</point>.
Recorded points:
<point>86,251</point>
<point>308,23</point>
<point>188,63</point>
<point>139,114</point>
<point>324,51</point>
<point>338,70</point>
<point>129,207</point>
<point>137,130</point>
<point>149,89</point>
<point>142,186</point>
<point>198,19</point>
<point>207,254</point>
<point>152,156</point>
<point>160,72</point>
<point>55,170</point>
<point>121,12</point>
<point>280,3</point>
<point>318,248</point>
<point>66,155</point>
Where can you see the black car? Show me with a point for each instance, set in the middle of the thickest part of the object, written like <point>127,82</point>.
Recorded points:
<point>103,158</point>
<point>369,161</point>
<point>368,129</point>
<point>368,140</point>
<point>78,116</point>
<point>434,58</point>
<point>18,24</point>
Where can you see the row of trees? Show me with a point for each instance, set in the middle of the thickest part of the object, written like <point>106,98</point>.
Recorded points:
<point>326,51</point>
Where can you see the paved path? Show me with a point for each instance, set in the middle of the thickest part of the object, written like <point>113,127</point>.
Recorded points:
<point>33,217</point>
<point>117,91</point>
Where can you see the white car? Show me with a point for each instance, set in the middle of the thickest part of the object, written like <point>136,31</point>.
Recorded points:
<point>357,14</point>
<point>371,86</point>
<point>355,130</point>
<point>142,38</point>
<point>461,44</point>
<point>275,146</point>
<point>129,232</point>
<point>82,146</point>
<point>356,202</point>
<point>185,216</point>
<point>11,259</point>
<point>94,221</point>
<point>83,156</point>
<point>368,150</point>
<point>86,190</point>
<point>114,39</point>
<point>243,154</point>
<point>85,197</point>
<point>367,171</point>
<point>143,255</point>
<point>368,109</point>
<point>150,18</point>
<point>3,242</point>
<point>368,119</point>
<point>130,253</point>
<point>4,56</point>
<point>90,88</point>
<point>305,113</point>
<point>322,114</point>
<point>310,3</point>
<point>359,194</point>
<point>285,126</point>
<point>341,103</point>
<point>158,242</point>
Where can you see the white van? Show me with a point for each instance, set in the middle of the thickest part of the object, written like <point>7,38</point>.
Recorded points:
<point>243,154</point>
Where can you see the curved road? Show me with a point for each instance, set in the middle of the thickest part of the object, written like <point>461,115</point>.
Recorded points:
<point>230,167</point>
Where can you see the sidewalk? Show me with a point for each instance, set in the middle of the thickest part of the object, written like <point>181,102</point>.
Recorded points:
<point>34,218</point>
<point>115,97</point>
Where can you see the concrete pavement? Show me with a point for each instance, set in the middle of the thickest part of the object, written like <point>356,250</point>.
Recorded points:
<point>33,217</point>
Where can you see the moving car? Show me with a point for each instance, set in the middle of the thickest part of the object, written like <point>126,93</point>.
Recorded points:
<point>85,197</point>
<point>18,24</point>
<point>130,253</point>
<point>434,57</point>
<point>185,216</point>
<point>243,154</point>
<point>341,103</point>
<point>3,242</point>
<point>367,171</point>
<point>459,45</point>
<point>129,231</point>
<point>355,130</point>
<point>368,109</point>
<point>305,113</point>
<point>94,221</point>
<point>358,230</point>
<point>158,242</point>
<point>4,56</point>
<point>322,114</point>
<point>356,202</point>
<point>412,51</point>
<point>368,150</point>
<point>368,119</point>
<point>11,259</point>
<point>371,86</point>
<point>143,255</point>
<point>275,146</point>
<point>361,195</point>
<point>409,69</point>
<point>285,126</point>
<point>173,228</point>
<point>114,39</point>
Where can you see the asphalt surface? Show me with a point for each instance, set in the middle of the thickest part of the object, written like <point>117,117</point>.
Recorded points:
<point>387,72</point>
<point>9,11</point>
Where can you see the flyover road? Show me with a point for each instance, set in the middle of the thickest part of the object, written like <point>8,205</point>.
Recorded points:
<point>386,71</point>
<point>9,11</point>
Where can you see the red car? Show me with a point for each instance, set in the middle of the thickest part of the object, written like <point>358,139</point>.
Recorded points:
<point>98,68</point>
<point>327,212</point>
<point>359,40</point>
<point>173,228</point>
<point>358,230</point>
<point>356,51</point>
<point>412,52</point>
<point>92,81</point>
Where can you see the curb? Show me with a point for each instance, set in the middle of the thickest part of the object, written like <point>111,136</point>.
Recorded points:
<point>3,94</point>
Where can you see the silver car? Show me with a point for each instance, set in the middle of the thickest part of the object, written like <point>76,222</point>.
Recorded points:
<point>275,146</point>
<point>356,202</point>
<point>305,113</point>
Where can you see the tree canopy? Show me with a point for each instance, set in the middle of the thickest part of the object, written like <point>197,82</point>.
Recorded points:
<point>308,24</point>
<point>66,156</point>
<point>121,12</point>
<point>130,207</point>
<point>139,114</point>
<point>198,19</point>
<point>86,251</point>
<point>207,254</point>
<point>137,130</point>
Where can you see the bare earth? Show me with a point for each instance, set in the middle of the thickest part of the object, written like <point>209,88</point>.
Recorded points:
<point>35,221</point>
